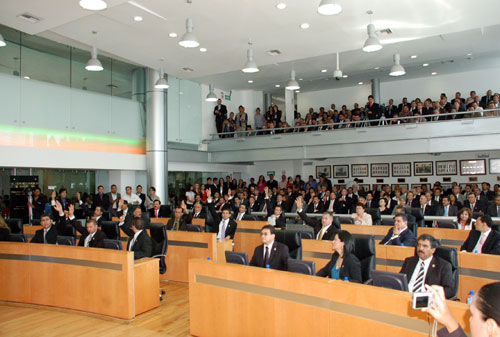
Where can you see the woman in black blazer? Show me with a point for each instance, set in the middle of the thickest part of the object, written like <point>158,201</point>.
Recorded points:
<point>343,263</point>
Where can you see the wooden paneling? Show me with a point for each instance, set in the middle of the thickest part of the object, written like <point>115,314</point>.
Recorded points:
<point>449,237</point>
<point>477,270</point>
<point>247,236</point>
<point>319,251</point>
<point>146,279</point>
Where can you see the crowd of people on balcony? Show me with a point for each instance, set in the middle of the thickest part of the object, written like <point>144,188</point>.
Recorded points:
<point>371,114</point>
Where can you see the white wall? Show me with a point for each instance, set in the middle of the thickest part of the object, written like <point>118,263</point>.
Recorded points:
<point>424,87</point>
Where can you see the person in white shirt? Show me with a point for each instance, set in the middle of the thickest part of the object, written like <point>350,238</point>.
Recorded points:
<point>131,198</point>
<point>242,211</point>
<point>190,197</point>
<point>361,217</point>
<point>483,239</point>
<point>114,198</point>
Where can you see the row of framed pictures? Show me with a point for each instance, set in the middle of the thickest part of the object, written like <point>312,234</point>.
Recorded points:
<point>368,187</point>
<point>420,168</point>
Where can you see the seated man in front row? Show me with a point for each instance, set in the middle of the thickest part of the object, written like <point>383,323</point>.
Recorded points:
<point>425,268</point>
<point>177,222</point>
<point>483,239</point>
<point>49,232</point>
<point>400,234</point>
<point>139,241</point>
<point>270,252</point>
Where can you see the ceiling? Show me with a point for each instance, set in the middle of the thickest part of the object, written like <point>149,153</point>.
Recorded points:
<point>434,30</point>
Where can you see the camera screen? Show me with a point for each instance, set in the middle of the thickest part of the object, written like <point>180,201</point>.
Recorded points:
<point>422,302</point>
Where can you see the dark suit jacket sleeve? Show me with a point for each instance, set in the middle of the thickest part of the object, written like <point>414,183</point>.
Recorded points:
<point>145,247</point>
<point>311,222</point>
<point>281,222</point>
<point>99,239</point>
<point>38,237</point>
<point>82,230</point>
<point>351,269</point>
<point>326,270</point>
<point>457,333</point>
<point>215,216</point>
<point>255,258</point>
<point>232,229</point>
<point>465,245</point>
<point>495,247</point>
<point>387,237</point>
<point>446,278</point>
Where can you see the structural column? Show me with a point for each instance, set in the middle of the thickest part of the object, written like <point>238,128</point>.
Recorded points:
<point>376,90</point>
<point>267,102</point>
<point>156,136</point>
<point>290,106</point>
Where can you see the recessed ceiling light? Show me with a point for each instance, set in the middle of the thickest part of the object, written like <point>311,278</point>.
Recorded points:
<point>138,18</point>
<point>277,85</point>
<point>281,5</point>
<point>301,79</point>
<point>470,54</point>
<point>203,50</point>
<point>433,73</point>
<point>360,83</point>
<point>376,68</point>
<point>172,34</point>
<point>250,81</point>
<point>305,25</point>
<point>324,70</point>
<point>425,65</point>
<point>27,77</point>
<point>345,76</point>
<point>413,56</point>
<point>93,5</point>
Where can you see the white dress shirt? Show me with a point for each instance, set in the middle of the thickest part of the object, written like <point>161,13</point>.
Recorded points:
<point>322,231</point>
<point>132,198</point>
<point>427,263</point>
<point>480,242</point>
<point>88,239</point>
<point>132,243</point>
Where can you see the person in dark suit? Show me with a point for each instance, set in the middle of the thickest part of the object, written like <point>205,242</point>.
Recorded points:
<point>139,241</point>
<point>91,236</point>
<point>220,112</point>
<point>344,264</point>
<point>157,211</point>
<point>198,213</point>
<point>177,222</point>
<point>4,230</point>
<point>494,209</point>
<point>446,209</point>
<point>114,198</point>
<point>425,268</point>
<point>316,206</point>
<point>275,212</point>
<point>224,226</point>
<point>483,239</point>
<point>476,206</point>
<point>49,232</point>
<point>270,252</point>
<point>324,228</point>
<point>38,203</point>
<point>372,109</point>
<point>101,199</point>
<point>400,234</point>
<point>141,196</point>
<point>98,216</point>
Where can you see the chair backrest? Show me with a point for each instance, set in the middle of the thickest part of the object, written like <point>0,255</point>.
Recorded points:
<point>69,230</point>
<point>336,222</point>
<point>450,255</point>
<point>35,222</point>
<point>249,217</point>
<point>364,249</point>
<point>413,227</point>
<point>306,235</point>
<point>446,224</point>
<point>113,244</point>
<point>418,214</point>
<point>106,215</point>
<point>376,216</point>
<point>237,258</point>
<point>166,210</point>
<point>194,228</point>
<point>110,228</point>
<point>302,267</point>
<point>66,240</point>
<point>18,238</point>
<point>345,220</point>
<point>159,239</point>
<point>387,222</point>
<point>292,240</point>
<point>15,225</point>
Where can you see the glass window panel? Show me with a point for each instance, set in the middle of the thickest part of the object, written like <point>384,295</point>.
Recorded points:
<point>96,81</point>
<point>10,55</point>
<point>122,78</point>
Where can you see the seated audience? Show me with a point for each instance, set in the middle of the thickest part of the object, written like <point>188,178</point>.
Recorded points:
<point>270,253</point>
<point>177,222</point>
<point>361,217</point>
<point>446,208</point>
<point>483,239</point>
<point>91,235</point>
<point>226,227</point>
<point>324,229</point>
<point>139,241</point>
<point>464,219</point>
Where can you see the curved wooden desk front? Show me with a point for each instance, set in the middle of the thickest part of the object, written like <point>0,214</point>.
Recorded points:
<point>235,300</point>
<point>95,280</point>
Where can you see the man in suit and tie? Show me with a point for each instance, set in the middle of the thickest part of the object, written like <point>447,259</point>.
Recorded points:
<point>486,192</point>
<point>446,209</point>
<point>241,212</point>
<point>324,228</point>
<point>101,199</point>
<point>114,198</point>
<point>220,112</point>
<point>141,196</point>
<point>425,268</point>
<point>486,99</point>
<point>483,239</point>
<point>198,213</point>
<point>97,216</point>
<point>316,206</point>
<point>91,235</point>
<point>271,253</point>
<point>139,241</point>
<point>400,234</point>
<point>494,209</point>
<point>476,206</point>
<point>224,226</point>
<point>49,232</point>
<point>177,223</point>
<point>157,211</point>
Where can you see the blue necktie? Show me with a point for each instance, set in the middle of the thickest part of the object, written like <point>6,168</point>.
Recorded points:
<point>446,211</point>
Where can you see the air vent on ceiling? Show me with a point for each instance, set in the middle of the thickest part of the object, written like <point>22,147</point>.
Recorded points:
<point>187,69</point>
<point>28,17</point>
<point>387,31</point>
<point>273,52</point>
<point>447,61</point>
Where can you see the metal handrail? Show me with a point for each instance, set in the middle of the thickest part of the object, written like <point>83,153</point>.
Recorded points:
<point>355,124</point>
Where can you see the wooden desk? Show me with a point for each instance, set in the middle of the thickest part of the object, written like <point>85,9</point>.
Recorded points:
<point>199,222</point>
<point>94,280</point>
<point>30,231</point>
<point>449,237</point>
<point>235,300</point>
<point>319,251</point>
<point>378,231</point>
<point>391,258</point>
<point>477,270</point>
<point>247,236</point>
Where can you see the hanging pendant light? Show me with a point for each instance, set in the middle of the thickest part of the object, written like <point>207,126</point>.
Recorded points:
<point>211,97</point>
<point>372,43</point>
<point>329,7</point>
<point>162,82</point>
<point>93,64</point>
<point>188,39</point>
<point>397,69</point>
<point>292,84</point>
<point>337,73</point>
<point>250,66</point>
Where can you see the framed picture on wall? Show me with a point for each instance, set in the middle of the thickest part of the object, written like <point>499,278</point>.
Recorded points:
<point>494,166</point>
<point>324,169</point>
<point>366,187</point>
<point>341,171</point>
<point>359,170</point>
<point>423,168</point>
<point>398,186</point>
<point>472,167</point>
<point>379,170</point>
<point>401,169</point>
<point>420,185</point>
<point>446,167</point>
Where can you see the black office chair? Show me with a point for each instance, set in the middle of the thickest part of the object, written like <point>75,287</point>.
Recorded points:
<point>376,216</point>
<point>110,228</point>
<point>387,222</point>
<point>476,215</point>
<point>249,217</point>
<point>237,258</point>
<point>418,214</point>
<point>210,225</point>
<point>451,255</point>
<point>167,210</point>
<point>65,240</point>
<point>113,244</point>
<point>291,239</point>
<point>159,239</point>
<point>18,238</point>
<point>336,223</point>
<point>306,235</point>
<point>364,249</point>
<point>194,228</point>
<point>302,267</point>
<point>35,222</point>
<point>15,225</point>
<point>69,230</point>
<point>345,220</point>
<point>106,216</point>
<point>447,224</point>
<point>413,227</point>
